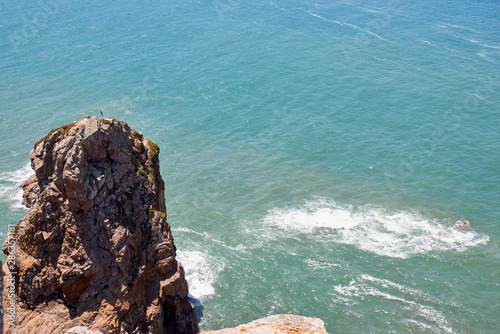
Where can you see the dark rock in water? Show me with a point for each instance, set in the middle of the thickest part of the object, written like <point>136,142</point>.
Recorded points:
<point>95,250</point>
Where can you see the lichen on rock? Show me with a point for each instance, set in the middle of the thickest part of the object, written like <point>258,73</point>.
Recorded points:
<point>95,249</point>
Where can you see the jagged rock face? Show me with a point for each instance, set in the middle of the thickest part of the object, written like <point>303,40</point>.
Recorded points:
<point>95,249</point>
<point>279,323</point>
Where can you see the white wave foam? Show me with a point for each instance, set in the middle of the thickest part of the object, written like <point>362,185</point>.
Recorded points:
<point>9,186</point>
<point>312,216</point>
<point>412,300</point>
<point>491,46</point>
<point>395,234</point>
<point>201,272</point>
<point>320,265</point>
<point>348,25</point>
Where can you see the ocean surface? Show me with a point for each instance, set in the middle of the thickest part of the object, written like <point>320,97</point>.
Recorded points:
<point>316,154</point>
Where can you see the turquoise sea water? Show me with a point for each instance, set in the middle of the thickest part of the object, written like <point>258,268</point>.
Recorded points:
<point>316,154</point>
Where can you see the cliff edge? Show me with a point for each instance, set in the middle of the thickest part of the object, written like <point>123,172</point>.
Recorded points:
<point>95,250</point>
<point>278,324</point>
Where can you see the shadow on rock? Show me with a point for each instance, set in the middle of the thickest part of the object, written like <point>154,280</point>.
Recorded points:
<point>198,307</point>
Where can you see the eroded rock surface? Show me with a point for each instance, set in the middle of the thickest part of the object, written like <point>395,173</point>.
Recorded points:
<point>95,249</point>
<point>279,323</point>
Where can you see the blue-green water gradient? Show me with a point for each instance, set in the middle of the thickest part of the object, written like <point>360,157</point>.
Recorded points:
<point>316,154</point>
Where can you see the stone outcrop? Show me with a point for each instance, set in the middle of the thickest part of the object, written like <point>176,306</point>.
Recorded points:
<point>95,251</point>
<point>1,299</point>
<point>280,323</point>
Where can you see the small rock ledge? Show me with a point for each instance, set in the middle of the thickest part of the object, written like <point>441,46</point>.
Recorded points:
<point>280,323</point>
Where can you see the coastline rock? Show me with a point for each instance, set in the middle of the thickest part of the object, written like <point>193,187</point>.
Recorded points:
<point>1,299</point>
<point>81,330</point>
<point>279,323</point>
<point>95,251</point>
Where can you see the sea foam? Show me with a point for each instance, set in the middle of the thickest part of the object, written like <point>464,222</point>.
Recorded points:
<point>9,186</point>
<point>399,234</point>
<point>201,272</point>
<point>417,309</point>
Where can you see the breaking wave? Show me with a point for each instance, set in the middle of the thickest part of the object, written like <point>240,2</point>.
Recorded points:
<point>9,186</point>
<point>398,234</point>
<point>201,272</point>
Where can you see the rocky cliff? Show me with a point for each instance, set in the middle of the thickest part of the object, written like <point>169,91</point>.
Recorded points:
<point>95,250</point>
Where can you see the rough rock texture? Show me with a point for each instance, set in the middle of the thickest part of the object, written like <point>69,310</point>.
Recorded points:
<point>81,330</point>
<point>1,299</point>
<point>280,323</point>
<point>95,250</point>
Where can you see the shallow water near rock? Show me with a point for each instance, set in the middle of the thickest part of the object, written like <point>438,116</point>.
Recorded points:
<point>316,155</point>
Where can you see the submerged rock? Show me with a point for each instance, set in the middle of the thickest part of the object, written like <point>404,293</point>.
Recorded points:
<point>95,250</point>
<point>279,323</point>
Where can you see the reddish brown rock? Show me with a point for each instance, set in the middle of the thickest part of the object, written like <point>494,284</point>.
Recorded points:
<point>278,324</point>
<point>95,251</point>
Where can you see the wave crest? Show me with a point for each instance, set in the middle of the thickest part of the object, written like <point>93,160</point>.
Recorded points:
<point>395,234</point>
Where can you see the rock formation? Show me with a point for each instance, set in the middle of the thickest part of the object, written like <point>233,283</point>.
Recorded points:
<point>1,299</point>
<point>95,250</point>
<point>280,323</point>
